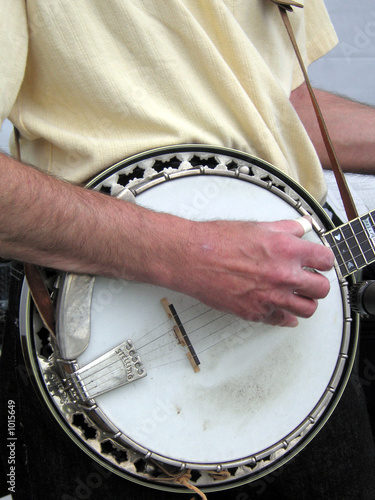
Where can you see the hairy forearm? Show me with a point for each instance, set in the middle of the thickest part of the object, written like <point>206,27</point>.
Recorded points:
<point>227,265</point>
<point>351,126</point>
<point>53,223</point>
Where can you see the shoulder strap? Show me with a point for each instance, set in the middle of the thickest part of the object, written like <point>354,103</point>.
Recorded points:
<point>346,196</point>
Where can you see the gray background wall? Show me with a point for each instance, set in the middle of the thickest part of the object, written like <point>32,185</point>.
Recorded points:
<point>350,67</point>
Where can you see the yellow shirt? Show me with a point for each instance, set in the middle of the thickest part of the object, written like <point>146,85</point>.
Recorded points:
<point>90,82</point>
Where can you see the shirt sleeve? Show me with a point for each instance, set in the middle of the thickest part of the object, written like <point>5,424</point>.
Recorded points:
<point>14,36</point>
<point>316,36</point>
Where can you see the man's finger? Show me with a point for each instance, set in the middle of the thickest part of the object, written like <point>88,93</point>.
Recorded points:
<point>281,318</point>
<point>305,224</point>
<point>298,227</point>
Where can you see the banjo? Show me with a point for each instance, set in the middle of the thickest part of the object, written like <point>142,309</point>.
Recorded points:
<point>158,387</point>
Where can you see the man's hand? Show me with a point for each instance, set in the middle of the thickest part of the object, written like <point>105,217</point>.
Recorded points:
<point>257,270</point>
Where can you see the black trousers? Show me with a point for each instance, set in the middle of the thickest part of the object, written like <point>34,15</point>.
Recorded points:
<point>339,463</point>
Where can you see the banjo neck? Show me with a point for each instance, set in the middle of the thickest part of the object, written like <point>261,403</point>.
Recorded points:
<point>353,243</point>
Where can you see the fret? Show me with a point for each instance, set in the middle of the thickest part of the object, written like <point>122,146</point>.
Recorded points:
<point>340,262</point>
<point>368,225</point>
<point>353,244</point>
<point>363,240</point>
<point>357,249</point>
<point>372,215</point>
<point>344,256</point>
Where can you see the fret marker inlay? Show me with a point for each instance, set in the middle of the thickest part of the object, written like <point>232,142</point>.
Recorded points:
<point>353,243</point>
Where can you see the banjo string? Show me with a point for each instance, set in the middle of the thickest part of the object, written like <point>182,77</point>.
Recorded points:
<point>170,330</point>
<point>168,321</point>
<point>171,345</point>
<point>191,333</point>
<point>183,358</point>
<point>103,378</point>
<point>202,339</point>
<point>203,350</point>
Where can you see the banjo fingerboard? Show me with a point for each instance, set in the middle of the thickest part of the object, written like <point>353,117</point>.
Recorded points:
<point>354,243</point>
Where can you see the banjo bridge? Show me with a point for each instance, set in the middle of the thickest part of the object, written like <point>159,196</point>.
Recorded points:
<point>181,334</point>
<point>119,366</point>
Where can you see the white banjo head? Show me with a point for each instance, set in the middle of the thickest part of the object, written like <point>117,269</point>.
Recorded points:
<point>261,392</point>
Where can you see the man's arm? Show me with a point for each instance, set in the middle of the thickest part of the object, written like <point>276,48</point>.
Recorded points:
<point>351,126</point>
<point>254,270</point>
